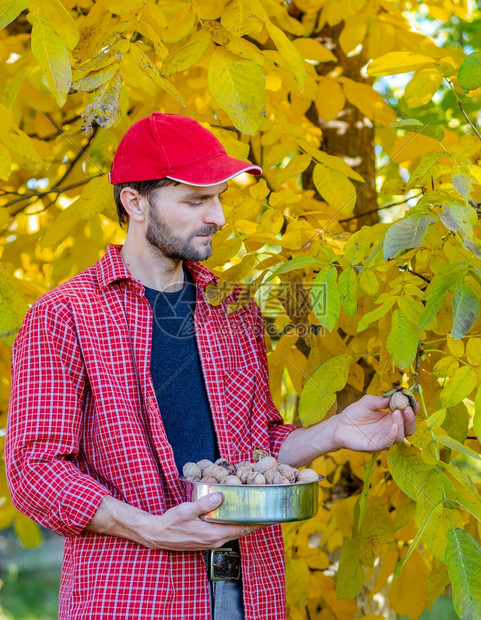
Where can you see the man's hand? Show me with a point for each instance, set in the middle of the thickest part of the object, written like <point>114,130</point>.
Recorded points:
<point>369,425</point>
<point>179,529</point>
<point>366,425</point>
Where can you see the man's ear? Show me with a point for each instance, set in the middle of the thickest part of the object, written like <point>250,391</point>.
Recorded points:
<point>133,203</point>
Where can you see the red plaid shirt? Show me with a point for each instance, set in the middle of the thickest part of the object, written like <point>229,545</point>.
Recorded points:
<point>84,422</point>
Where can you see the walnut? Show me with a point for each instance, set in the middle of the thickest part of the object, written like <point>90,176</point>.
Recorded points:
<point>209,479</point>
<point>288,472</point>
<point>308,475</point>
<point>243,473</point>
<point>217,472</point>
<point>203,463</point>
<point>398,401</point>
<point>268,462</point>
<point>255,478</point>
<point>226,465</point>
<point>232,480</point>
<point>191,469</point>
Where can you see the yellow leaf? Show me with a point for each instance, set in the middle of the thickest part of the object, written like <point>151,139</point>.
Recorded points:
<point>208,9</point>
<point>245,226</point>
<point>407,593</point>
<point>445,367</point>
<point>331,161</point>
<point>180,26</point>
<point>15,139</point>
<point>398,62</point>
<point>459,386</point>
<point>153,71</point>
<point>420,90</point>
<point>233,43</point>
<point>336,189</point>
<point>297,582</point>
<point>368,101</point>
<point>5,163</point>
<point>241,18</point>
<point>312,50</point>
<point>473,351</point>
<point>28,531</point>
<point>95,197</point>
<point>296,166</point>
<point>413,146</point>
<point>284,196</point>
<point>52,56</point>
<point>61,20</point>
<point>330,98</point>
<point>353,33</point>
<point>289,53</point>
<point>123,7</point>
<point>95,79</point>
<point>10,10</point>
<point>381,38</point>
<point>187,55</point>
<point>238,87</point>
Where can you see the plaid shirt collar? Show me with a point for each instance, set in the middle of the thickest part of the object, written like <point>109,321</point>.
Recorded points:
<point>111,268</point>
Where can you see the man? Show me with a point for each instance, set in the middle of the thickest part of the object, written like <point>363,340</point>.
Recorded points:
<point>107,403</point>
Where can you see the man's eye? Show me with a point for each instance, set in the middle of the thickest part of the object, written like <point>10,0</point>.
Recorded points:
<point>196,203</point>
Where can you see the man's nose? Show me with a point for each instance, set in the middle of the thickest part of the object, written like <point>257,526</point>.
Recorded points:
<point>215,213</point>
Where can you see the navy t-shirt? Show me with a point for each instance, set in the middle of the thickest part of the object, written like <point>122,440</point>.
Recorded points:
<point>177,376</point>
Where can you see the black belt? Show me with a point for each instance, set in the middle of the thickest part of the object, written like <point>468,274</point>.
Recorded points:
<point>223,564</point>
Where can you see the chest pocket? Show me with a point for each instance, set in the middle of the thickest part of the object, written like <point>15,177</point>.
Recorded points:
<point>239,388</point>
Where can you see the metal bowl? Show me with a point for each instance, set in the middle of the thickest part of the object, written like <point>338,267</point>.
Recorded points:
<point>270,503</point>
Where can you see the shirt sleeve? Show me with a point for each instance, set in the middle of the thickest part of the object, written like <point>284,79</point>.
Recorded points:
<point>277,429</point>
<point>45,423</point>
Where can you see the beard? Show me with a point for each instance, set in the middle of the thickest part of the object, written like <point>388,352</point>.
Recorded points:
<point>160,235</point>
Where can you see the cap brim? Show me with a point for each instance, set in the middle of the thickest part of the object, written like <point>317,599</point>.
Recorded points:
<point>213,171</point>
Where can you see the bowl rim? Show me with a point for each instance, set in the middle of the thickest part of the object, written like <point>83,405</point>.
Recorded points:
<point>252,486</point>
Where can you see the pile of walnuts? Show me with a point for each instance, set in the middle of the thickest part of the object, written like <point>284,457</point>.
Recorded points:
<point>265,471</point>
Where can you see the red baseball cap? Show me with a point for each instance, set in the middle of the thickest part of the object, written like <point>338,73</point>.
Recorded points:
<point>176,147</point>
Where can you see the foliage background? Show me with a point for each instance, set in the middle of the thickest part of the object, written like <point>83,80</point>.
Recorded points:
<point>360,242</point>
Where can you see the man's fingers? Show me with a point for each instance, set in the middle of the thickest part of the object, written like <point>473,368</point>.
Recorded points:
<point>375,402</point>
<point>409,421</point>
<point>206,504</point>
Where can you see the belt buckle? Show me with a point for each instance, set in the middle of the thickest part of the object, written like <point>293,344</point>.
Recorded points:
<point>225,565</point>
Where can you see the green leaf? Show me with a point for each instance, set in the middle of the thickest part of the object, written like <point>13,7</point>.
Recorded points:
<point>477,415</point>
<point>52,56</point>
<point>13,307</point>
<point>437,289</point>
<point>420,175</point>
<point>238,87</point>
<point>336,189</point>
<point>459,387</point>
<point>469,74</point>
<point>463,559</point>
<point>350,575</point>
<point>466,310</point>
<point>405,234</point>
<point>347,290</point>
<point>428,129</point>
<point>325,297</point>
<point>361,502</point>
<point>412,475</point>
<point>299,262</point>
<point>436,419</point>
<point>457,216</point>
<point>414,543</point>
<point>10,10</point>
<point>319,393</point>
<point>402,342</point>
<point>448,441</point>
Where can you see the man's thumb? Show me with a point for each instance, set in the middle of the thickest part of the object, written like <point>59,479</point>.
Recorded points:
<point>208,503</point>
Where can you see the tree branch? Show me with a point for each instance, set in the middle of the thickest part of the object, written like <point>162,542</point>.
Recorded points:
<point>392,204</point>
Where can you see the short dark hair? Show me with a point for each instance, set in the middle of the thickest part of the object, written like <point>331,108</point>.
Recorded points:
<point>146,188</point>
